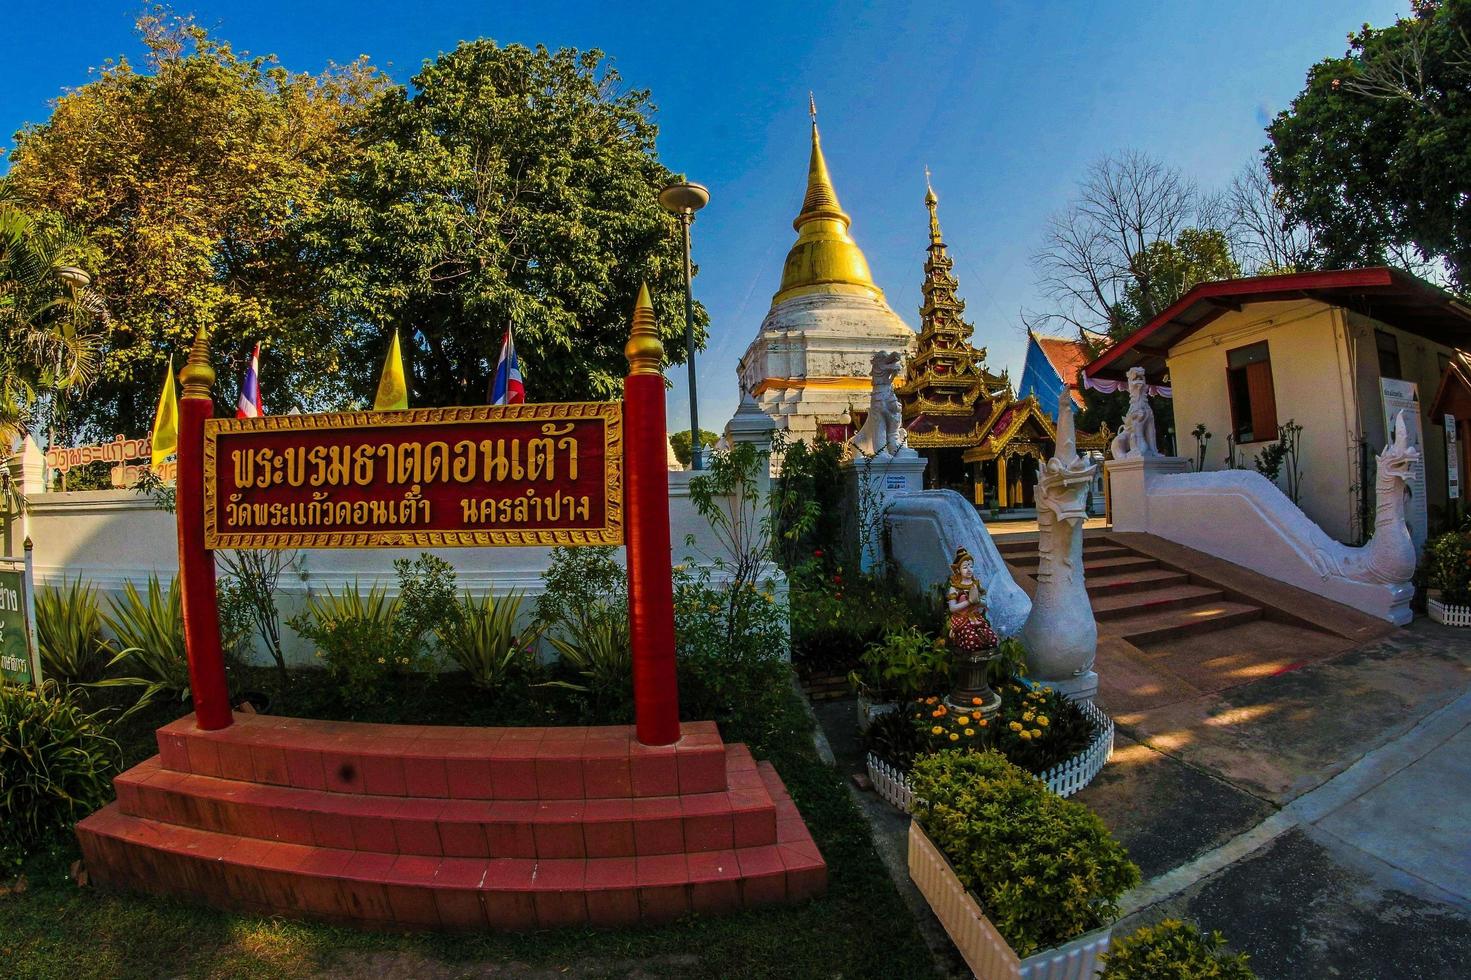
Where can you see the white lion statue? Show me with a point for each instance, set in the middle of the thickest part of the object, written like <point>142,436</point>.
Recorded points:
<point>881,431</point>
<point>1136,435</point>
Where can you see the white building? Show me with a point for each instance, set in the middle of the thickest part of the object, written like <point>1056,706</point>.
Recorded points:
<point>812,356</point>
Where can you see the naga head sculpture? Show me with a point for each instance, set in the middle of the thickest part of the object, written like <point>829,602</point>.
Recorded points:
<point>1399,457</point>
<point>1063,482</point>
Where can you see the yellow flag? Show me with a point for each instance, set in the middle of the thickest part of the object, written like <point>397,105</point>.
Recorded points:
<point>166,422</point>
<point>393,392</point>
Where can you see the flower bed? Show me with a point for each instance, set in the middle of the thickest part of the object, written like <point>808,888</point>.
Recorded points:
<point>984,949</point>
<point>1064,779</point>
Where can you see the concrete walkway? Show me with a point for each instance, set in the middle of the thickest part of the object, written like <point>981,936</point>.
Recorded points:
<point>1319,818</point>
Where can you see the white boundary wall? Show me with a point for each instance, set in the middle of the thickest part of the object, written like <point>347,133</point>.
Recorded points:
<point>110,537</point>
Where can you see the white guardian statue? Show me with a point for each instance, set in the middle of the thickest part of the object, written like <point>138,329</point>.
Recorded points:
<point>881,432</point>
<point>1136,436</point>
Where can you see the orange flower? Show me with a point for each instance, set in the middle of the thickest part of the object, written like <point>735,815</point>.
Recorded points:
<point>975,700</point>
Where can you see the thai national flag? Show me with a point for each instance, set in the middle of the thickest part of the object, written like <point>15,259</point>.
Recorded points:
<point>249,406</point>
<point>506,388</point>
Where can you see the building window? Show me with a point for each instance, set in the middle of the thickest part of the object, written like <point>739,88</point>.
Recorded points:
<point>1253,401</point>
<point>1388,345</point>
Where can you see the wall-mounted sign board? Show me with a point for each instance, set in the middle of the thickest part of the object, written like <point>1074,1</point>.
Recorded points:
<point>542,474</point>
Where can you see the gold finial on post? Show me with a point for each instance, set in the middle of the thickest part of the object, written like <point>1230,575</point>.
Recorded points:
<point>644,351</point>
<point>198,377</point>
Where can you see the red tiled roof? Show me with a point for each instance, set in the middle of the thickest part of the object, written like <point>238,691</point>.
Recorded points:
<point>1388,295</point>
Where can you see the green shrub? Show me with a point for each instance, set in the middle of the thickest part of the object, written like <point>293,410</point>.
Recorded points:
<point>69,632</point>
<point>1448,567</point>
<point>905,664</point>
<point>149,643</point>
<point>55,767</point>
<point>583,613</point>
<point>1173,950</point>
<point>378,648</point>
<point>483,640</point>
<point>357,639</point>
<point>1045,870</point>
<point>729,642</point>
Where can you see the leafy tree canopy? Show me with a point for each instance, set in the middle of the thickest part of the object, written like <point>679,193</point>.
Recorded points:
<point>191,179</point>
<point>51,318</point>
<point>513,186</point>
<point>1167,271</point>
<point>1374,155</point>
<point>680,442</point>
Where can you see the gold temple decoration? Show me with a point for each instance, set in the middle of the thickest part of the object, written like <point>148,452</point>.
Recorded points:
<point>946,377</point>
<point>825,259</point>
<point>197,376</point>
<point>644,351</point>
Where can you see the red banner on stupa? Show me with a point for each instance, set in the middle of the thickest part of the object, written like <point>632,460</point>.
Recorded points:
<point>544,474</point>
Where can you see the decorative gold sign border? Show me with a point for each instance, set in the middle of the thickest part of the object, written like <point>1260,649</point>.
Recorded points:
<point>611,533</point>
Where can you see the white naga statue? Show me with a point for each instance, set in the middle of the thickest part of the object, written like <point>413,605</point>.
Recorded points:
<point>1389,557</point>
<point>1136,435</point>
<point>881,431</point>
<point>1061,636</point>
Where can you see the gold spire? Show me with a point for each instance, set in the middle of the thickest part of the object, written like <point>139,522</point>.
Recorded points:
<point>198,377</point>
<point>644,351</point>
<point>825,258</point>
<point>932,201</point>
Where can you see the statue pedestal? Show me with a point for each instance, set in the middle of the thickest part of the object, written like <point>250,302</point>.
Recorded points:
<point>1084,687</point>
<point>1128,487</point>
<point>872,484</point>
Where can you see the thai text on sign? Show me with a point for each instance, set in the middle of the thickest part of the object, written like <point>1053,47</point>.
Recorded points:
<point>545,474</point>
<point>15,648</point>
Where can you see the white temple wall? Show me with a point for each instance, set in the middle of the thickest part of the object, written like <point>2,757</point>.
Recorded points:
<point>110,537</point>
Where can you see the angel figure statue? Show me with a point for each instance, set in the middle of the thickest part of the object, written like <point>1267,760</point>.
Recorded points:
<point>972,640</point>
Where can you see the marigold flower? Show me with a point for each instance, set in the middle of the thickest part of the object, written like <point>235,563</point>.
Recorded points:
<point>1015,726</point>
<point>954,737</point>
<point>936,713</point>
<point>1042,720</point>
<point>936,730</point>
<point>1028,716</point>
<point>971,732</point>
<point>963,720</point>
<point>1026,736</point>
<point>1036,733</point>
<point>1046,690</point>
<point>983,723</point>
<point>975,701</point>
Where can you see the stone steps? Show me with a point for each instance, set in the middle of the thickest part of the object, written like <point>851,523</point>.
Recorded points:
<point>1170,624</point>
<point>1140,581</point>
<point>411,827</point>
<point>1106,565</point>
<point>1129,604</point>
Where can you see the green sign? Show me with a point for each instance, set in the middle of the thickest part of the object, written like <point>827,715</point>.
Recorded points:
<point>15,647</point>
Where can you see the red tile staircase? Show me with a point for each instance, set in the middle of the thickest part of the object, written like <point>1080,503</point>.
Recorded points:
<point>1139,597</point>
<point>428,827</point>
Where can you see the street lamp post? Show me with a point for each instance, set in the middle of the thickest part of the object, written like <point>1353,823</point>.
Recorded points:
<point>683,199</point>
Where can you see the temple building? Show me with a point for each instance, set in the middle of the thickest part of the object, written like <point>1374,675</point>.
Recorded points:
<point>809,364</point>
<point>980,439</point>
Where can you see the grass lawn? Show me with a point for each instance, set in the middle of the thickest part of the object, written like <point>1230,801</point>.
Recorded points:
<point>861,928</point>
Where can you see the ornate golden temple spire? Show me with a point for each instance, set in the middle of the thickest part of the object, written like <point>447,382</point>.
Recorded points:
<point>825,258</point>
<point>932,201</point>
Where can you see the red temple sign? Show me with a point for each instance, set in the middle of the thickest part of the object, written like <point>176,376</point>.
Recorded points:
<point>547,474</point>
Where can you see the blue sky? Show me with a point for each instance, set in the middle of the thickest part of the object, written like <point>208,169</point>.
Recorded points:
<point>1007,102</point>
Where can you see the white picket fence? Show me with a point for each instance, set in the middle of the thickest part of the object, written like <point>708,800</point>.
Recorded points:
<point>1064,779</point>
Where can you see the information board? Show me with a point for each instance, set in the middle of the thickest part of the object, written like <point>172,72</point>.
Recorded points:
<point>542,474</point>
<point>17,654</point>
<point>1452,460</point>
<point>1404,396</point>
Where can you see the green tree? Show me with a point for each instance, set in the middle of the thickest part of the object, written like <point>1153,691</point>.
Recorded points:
<point>1374,155</point>
<point>514,186</point>
<point>1168,270</point>
<point>680,441</point>
<point>192,180</point>
<point>50,317</point>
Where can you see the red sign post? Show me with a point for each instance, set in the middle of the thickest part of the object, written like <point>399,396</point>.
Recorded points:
<point>539,474</point>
